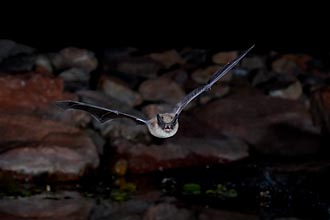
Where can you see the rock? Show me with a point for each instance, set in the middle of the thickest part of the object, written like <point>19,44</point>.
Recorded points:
<point>114,55</point>
<point>97,139</point>
<point>181,152</point>
<point>320,109</point>
<point>61,205</point>
<point>153,109</point>
<point>18,63</point>
<point>121,92</point>
<point>119,128</point>
<point>167,211</point>
<point>217,91</point>
<point>286,65</point>
<point>168,58</point>
<point>75,57</point>
<point>32,146</point>
<point>34,140</point>
<point>254,63</point>
<point>75,75</point>
<point>43,65</point>
<point>139,66</point>
<point>201,76</point>
<point>29,92</point>
<point>274,81</point>
<point>293,91</point>
<point>210,213</point>
<point>10,48</point>
<point>124,128</point>
<point>272,125</point>
<point>193,57</point>
<point>161,89</point>
<point>179,76</point>
<point>223,58</point>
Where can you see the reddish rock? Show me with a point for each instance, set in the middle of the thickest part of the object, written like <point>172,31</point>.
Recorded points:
<point>31,143</point>
<point>181,152</point>
<point>272,125</point>
<point>31,146</point>
<point>161,89</point>
<point>29,92</point>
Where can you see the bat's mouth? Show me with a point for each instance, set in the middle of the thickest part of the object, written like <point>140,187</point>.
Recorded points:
<point>167,129</point>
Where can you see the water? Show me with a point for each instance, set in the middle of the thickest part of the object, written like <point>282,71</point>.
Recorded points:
<point>244,190</point>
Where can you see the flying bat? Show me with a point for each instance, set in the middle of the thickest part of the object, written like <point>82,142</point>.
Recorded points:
<point>163,125</point>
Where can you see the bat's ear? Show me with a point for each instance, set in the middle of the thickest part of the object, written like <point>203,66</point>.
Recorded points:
<point>159,119</point>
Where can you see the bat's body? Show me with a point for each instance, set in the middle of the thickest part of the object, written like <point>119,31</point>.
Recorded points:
<point>163,125</point>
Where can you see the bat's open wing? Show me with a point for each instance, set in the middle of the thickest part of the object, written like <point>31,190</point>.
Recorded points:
<point>214,78</point>
<point>101,114</point>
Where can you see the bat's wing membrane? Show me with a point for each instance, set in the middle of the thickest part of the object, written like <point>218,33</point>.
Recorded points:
<point>214,78</point>
<point>101,114</point>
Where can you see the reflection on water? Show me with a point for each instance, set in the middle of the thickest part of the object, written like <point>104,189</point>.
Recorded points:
<point>259,192</point>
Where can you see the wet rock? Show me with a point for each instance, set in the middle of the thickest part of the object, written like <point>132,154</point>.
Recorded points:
<point>75,57</point>
<point>181,152</point>
<point>117,90</point>
<point>203,75</point>
<point>161,89</point>
<point>64,205</point>
<point>167,211</point>
<point>139,66</point>
<point>293,91</point>
<point>32,146</point>
<point>10,48</point>
<point>271,125</point>
<point>224,57</point>
<point>168,58</point>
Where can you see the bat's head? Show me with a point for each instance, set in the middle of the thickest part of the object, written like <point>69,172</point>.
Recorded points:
<point>167,122</point>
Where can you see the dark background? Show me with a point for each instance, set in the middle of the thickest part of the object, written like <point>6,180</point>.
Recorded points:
<point>280,26</point>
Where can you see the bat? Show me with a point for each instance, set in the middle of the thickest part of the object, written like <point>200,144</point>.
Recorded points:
<point>163,125</point>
